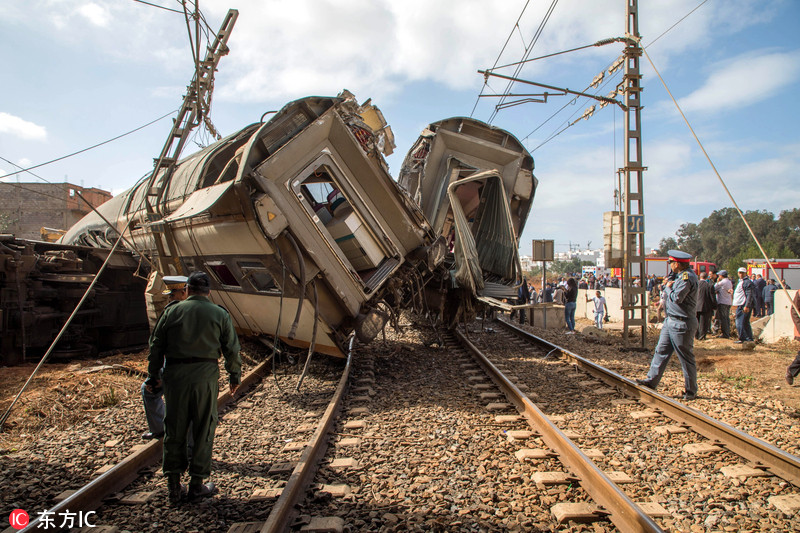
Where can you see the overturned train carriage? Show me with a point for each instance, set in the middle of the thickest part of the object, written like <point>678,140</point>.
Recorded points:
<point>297,220</point>
<point>475,185</point>
<point>41,284</point>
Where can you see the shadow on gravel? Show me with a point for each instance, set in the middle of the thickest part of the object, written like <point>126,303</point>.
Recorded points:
<point>33,484</point>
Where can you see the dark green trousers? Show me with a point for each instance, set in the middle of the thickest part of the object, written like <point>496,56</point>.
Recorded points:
<point>190,395</point>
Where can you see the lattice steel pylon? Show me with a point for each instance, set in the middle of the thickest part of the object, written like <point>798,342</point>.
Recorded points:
<point>189,116</point>
<point>634,299</point>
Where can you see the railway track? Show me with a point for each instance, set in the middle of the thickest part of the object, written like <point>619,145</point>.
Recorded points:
<point>624,426</point>
<point>265,436</point>
<point>430,437</point>
<point>762,454</point>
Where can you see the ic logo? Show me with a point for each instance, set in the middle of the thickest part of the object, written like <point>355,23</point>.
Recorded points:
<point>18,519</point>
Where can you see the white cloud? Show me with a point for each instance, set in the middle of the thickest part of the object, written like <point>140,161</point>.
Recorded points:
<point>96,14</point>
<point>744,80</point>
<point>21,128</point>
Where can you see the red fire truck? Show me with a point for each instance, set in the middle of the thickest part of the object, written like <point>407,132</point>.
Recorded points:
<point>660,267</point>
<point>787,269</point>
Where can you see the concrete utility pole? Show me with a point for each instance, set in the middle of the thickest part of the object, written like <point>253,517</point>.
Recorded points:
<point>634,299</point>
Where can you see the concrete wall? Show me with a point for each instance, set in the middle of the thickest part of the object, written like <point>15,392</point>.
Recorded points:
<point>780,325</point>
<point>27,207</point>
<point>613,303</point>
<point>549,315</point>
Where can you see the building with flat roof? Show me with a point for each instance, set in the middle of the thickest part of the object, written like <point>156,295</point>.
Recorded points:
<point>26,208</point>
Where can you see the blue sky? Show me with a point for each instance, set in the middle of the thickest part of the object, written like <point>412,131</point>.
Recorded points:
<point>79,72</point>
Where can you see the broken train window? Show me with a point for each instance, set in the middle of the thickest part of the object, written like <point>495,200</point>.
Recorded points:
<point>322,196</point>
<point>258,276</point>
<point>223,274</point>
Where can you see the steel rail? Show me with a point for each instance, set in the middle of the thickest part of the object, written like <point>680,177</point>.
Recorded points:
<point>761,453</point>
<point>622,511</point>
<point>90,496</point>
<point>284,509</point>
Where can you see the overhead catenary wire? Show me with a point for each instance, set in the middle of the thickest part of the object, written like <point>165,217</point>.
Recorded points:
<point>528,51</point>
<point>158,6</point>
<point>569,123</point>
<point>516,25</point>
<point>598,43</point>
<point>552,136</point>
<point>722,182</point>
<point>91,147</point>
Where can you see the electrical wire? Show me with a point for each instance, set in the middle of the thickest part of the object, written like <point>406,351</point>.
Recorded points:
<point>516,25</point>
<point>544,57</point>
<point>195,58</point>
<point>722,182</point>
<point>313,337</point>
<point>576,98</point>
<point>158,6</point>
<point>528,51</point>
<point>129,243</point>
<point>681,20</point>
<point>91,147</point>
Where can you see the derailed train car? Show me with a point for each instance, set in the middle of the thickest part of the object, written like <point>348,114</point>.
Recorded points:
<point>475,184</point>
<point>306,236</point>
<point>40,285</point>
<point>297,220</point>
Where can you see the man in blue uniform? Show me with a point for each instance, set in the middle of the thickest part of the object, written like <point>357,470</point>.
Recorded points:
<point>186,342</point>
<point>677,333</point>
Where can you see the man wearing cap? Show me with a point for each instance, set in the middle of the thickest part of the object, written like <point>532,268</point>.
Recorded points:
<point>677,333</point>
<point>186,342</point>
<point>152,396</point>
<point>724,289</point>
<point>744,299</point>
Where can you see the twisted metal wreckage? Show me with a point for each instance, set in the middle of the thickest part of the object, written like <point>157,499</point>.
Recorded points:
<point>306,236</point>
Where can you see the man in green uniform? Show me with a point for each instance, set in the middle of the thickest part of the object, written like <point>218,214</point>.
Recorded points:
<point>187,341</point>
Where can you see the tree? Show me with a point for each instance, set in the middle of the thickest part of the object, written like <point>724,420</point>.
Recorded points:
<point>723,238</point>
<point>666,244</point>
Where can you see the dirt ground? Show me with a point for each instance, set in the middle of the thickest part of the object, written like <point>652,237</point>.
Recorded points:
<point>760,371</point>
<point>63,393</point>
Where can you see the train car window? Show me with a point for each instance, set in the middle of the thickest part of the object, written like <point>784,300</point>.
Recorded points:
<point>222,273</point>
<point>258,276</point>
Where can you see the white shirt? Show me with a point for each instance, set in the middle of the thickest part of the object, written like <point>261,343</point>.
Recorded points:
<point>721,288</point>
<point>599,305</point>
<point>739,297</point>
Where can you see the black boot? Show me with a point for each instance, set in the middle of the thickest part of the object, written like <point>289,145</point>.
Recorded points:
<point>175,488</point>
<point>199,490</point>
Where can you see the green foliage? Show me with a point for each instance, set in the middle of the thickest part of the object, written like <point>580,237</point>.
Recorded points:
<point>737,381</point>
<point>5,222</point>
<point>567,267</point>
<point>722,237</point>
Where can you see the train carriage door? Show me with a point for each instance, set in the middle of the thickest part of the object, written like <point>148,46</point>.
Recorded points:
<point>324,192</point>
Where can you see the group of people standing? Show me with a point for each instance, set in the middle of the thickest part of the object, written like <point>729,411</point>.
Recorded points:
<point>689,303</point>
<point>716,294</point>
<point>565,293</point>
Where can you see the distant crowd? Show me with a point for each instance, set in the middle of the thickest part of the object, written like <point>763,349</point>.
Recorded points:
<point>716,296</point>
